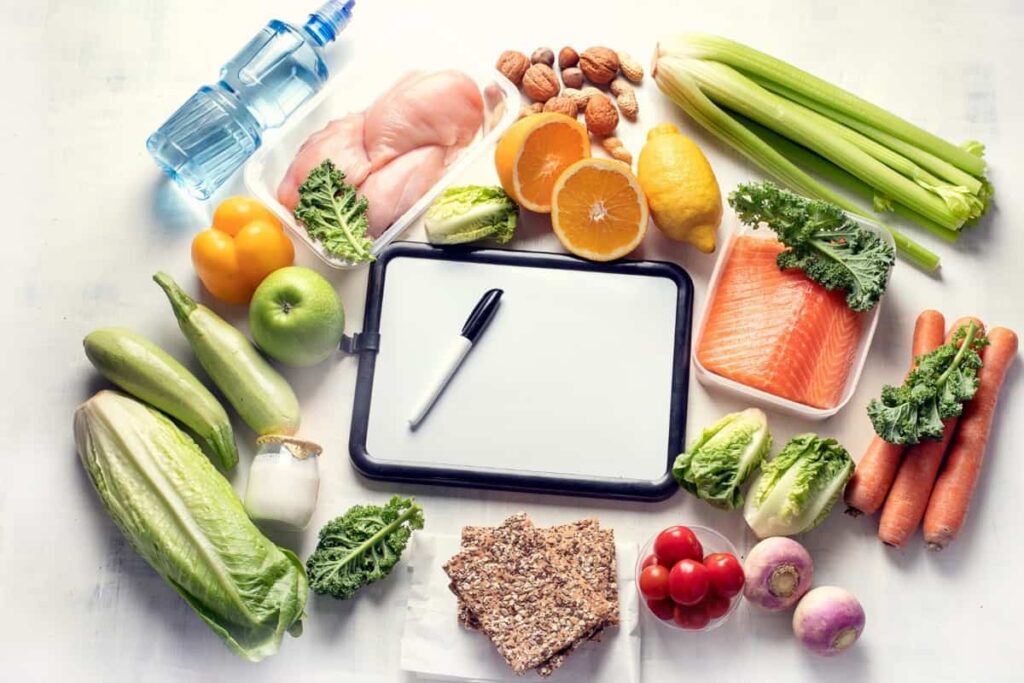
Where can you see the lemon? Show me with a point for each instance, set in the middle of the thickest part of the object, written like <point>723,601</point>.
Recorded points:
<point>680,186</point>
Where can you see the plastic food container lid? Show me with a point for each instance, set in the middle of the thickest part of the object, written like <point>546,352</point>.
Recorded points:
<point>763,398</point>
<point>344,95</point>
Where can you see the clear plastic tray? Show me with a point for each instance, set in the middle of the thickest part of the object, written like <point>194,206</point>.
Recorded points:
<point>342,96</point>
<point>763,398</point>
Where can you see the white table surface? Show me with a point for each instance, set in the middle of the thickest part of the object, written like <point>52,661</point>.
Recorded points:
<point>89,219</point>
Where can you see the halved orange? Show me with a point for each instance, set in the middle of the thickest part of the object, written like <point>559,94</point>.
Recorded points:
<point>534,152</point>
<point>598,209</point>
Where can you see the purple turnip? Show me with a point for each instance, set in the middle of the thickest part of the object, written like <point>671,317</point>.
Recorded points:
<point>828,620</point>
<point>778,571</point>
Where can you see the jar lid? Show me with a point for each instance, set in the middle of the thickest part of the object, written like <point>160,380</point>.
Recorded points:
<point>297,447</point>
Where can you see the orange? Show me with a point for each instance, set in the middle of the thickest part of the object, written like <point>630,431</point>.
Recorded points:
<point>598,210</point>
<point>534,152</point>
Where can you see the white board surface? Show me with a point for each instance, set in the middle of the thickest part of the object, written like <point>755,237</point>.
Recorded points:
<point>573,376</point>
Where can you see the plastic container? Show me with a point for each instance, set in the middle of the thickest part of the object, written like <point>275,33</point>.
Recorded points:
<point>713,542</point>
<point>763,398</point>
<point>265,170</point>
<point>210,136</point>
<point>284,482</point>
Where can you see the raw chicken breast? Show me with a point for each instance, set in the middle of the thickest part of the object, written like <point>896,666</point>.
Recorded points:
<point>341,141</point>
<point>443,108</point>
<point>394,188</point>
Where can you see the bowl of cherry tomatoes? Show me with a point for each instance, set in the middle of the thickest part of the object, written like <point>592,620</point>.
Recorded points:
<point>690,577</point>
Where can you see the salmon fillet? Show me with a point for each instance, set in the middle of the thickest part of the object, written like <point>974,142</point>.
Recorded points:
<point>778,331</point>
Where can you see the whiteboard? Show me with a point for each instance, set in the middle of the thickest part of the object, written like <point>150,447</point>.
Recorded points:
<point>573,377</point>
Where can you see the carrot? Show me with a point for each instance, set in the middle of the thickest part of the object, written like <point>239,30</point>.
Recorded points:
<point>877,467</point>
<point>952,494</point>
<point>908,498</point>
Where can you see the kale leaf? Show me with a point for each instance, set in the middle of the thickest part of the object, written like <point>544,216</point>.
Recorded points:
<point>362,546</point>
<point>935,390</point>
<point>334,215</point>
<point>821,240</point>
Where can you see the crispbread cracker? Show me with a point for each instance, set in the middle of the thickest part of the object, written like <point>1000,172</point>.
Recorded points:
<point>580,550</point>
<point>527,606</point>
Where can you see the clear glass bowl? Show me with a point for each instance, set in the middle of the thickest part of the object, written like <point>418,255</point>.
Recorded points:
<point>713,542</point>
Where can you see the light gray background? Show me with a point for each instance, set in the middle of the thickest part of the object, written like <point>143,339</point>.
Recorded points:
<point>89,219</point>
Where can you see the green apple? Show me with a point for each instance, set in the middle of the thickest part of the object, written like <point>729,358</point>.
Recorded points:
<point>296,317</point>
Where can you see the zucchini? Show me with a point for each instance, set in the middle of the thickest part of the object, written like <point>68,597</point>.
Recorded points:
<point>149,373</point>
<point>259,393</point>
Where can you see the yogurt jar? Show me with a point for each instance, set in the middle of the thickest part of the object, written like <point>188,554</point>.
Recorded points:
<point>284,482</point>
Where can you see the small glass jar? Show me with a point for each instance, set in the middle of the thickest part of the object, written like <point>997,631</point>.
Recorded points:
<point>284,482</point>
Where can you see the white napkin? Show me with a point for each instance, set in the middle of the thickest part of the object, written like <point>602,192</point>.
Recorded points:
<point>435,646</point>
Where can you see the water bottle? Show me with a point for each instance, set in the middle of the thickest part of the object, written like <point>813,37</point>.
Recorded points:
<point>220,126</point>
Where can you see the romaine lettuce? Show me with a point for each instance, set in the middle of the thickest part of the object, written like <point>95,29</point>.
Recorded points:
<point>184,518</point>
<point>718,462</point>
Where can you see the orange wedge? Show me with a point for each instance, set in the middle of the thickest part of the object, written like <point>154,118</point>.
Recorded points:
<point>534,152</point>
<point>598,209</point>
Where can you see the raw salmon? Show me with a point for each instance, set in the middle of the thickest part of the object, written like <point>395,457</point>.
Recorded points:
<point>777,331</point>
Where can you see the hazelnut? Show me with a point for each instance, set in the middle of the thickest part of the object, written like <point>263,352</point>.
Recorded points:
<point>567,58</point>
<point>562,105</point>
<point>543,55</point>
<point>601,116</point>
<point>599,64</point>
<point>540,83</point>
<point>572,77</point>
<point>513,65</point>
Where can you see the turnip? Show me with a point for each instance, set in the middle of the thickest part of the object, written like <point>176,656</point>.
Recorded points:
<point>779,571</point>
<point>828,620</point>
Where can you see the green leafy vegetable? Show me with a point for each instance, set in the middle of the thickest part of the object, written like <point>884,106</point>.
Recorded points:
<point>185,520</point>
<point>720,460</point>
<point>798,487</point>
<point>824,242</point>
<point>362,546</point>
<point>471,213</point>
<point>935,390</point>
<point>334,214</point>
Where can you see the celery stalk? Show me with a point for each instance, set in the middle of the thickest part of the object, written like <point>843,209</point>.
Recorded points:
<point>825,169</point>
<point>941,168</point>
<point>672,79</point>
<point>733,90</point>
<point>738,56</point>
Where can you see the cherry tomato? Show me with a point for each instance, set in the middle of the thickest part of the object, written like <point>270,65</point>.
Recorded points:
<point>654,582</point>
<point>688,582</point>
<point>664,609</point>
<point>725,573</point>
<point>693,617</point>
<point>648,561</point>
<point>715,604</point>
<point>677,543</point>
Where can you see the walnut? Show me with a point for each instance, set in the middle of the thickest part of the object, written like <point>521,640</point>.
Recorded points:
<point>601,115</point>
<point>562,105</point>
<point>540,83</point>
<point>543,55</point>
<point>567,58</point>
<point>599,65</point>
<point>513,65</point>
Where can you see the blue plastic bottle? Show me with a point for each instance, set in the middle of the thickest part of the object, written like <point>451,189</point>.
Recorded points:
<point>219,127</point>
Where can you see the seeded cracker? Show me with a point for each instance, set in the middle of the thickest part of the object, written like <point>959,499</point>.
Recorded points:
<point>582,549</point>
<point>527,606</point>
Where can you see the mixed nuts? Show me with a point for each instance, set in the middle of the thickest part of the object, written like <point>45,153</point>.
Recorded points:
<point>565,92</point>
